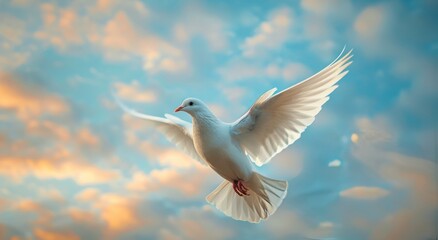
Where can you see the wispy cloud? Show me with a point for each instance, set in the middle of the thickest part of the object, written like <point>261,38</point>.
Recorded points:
<point>364,192</point>
<point>28,102</point>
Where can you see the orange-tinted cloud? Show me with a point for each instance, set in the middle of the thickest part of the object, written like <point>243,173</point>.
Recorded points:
<point>89,194</point>
<point>370,22</point>
<point>47,128</point>
<point>86,137</point>
<point>122,39</point>
<point>45,216</point>
<point>412,175</point>
<point>42,234</point>
<point>365,193</point>
<point>81,172</point>
<point>62,27</point>
<point>27,102</point>
<point>28,205</point>
<point>119,213</point>
<point>3,203</point>
<point>193,183</point>
<point>134,92</point>
<point>167,156</point>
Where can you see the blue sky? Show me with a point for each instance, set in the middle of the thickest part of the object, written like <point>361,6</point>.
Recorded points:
<point>74,166</point>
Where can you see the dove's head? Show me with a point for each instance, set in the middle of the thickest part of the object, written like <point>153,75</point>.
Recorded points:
<point>192,106</point>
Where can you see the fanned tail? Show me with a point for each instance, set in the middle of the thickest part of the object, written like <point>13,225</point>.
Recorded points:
<point>265,196</point>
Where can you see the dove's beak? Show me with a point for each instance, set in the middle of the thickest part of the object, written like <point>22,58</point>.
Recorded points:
<point>178,108</point>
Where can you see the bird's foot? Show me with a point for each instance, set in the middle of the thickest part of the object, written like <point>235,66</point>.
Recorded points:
<point>239,188</point>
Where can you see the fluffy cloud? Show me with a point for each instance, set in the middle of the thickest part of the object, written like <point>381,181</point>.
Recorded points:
<point>62,27</point>
<point>271,34</point>
<point>89,194</point>
<point>371,23</point>
<point>13,32</point>
<point>119,37</point>
<point>123,39</point>
<point>335,163</point>
<point>119,213</point>
<point>134,92</point>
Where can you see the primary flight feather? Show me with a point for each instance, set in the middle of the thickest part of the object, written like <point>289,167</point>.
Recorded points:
<point>270,125</point>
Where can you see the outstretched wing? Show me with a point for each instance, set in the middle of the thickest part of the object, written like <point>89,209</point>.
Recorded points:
<point>175,129</point>
<point>275,122</point>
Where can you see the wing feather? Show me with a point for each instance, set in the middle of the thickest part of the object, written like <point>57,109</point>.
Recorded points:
<point>175,129</point>
<point>276,121</point>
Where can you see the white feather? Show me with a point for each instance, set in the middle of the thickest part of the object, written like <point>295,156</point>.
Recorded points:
<point>275,122</point>
<point>175,129</point>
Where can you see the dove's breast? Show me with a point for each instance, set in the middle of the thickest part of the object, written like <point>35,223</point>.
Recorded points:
<point>215,145</point>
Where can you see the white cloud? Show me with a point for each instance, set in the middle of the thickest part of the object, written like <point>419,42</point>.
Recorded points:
<point>271,34</point>
<point>335,163</point>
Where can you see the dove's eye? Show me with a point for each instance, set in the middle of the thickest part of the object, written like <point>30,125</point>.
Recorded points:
<point>191,103</point>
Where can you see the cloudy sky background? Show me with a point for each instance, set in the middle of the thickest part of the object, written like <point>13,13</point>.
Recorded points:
<point>74,166</point>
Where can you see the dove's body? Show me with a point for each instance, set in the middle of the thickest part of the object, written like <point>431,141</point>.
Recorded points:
<point>270,125</point>
<point>214,143</point>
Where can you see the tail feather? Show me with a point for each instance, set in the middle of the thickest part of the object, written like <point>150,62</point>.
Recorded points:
<point>265,196</point>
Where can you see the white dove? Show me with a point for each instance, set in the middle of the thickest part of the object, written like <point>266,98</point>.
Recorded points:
<point>270,125</point>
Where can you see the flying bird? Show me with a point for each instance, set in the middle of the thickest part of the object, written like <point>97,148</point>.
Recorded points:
<point>271,124</point>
